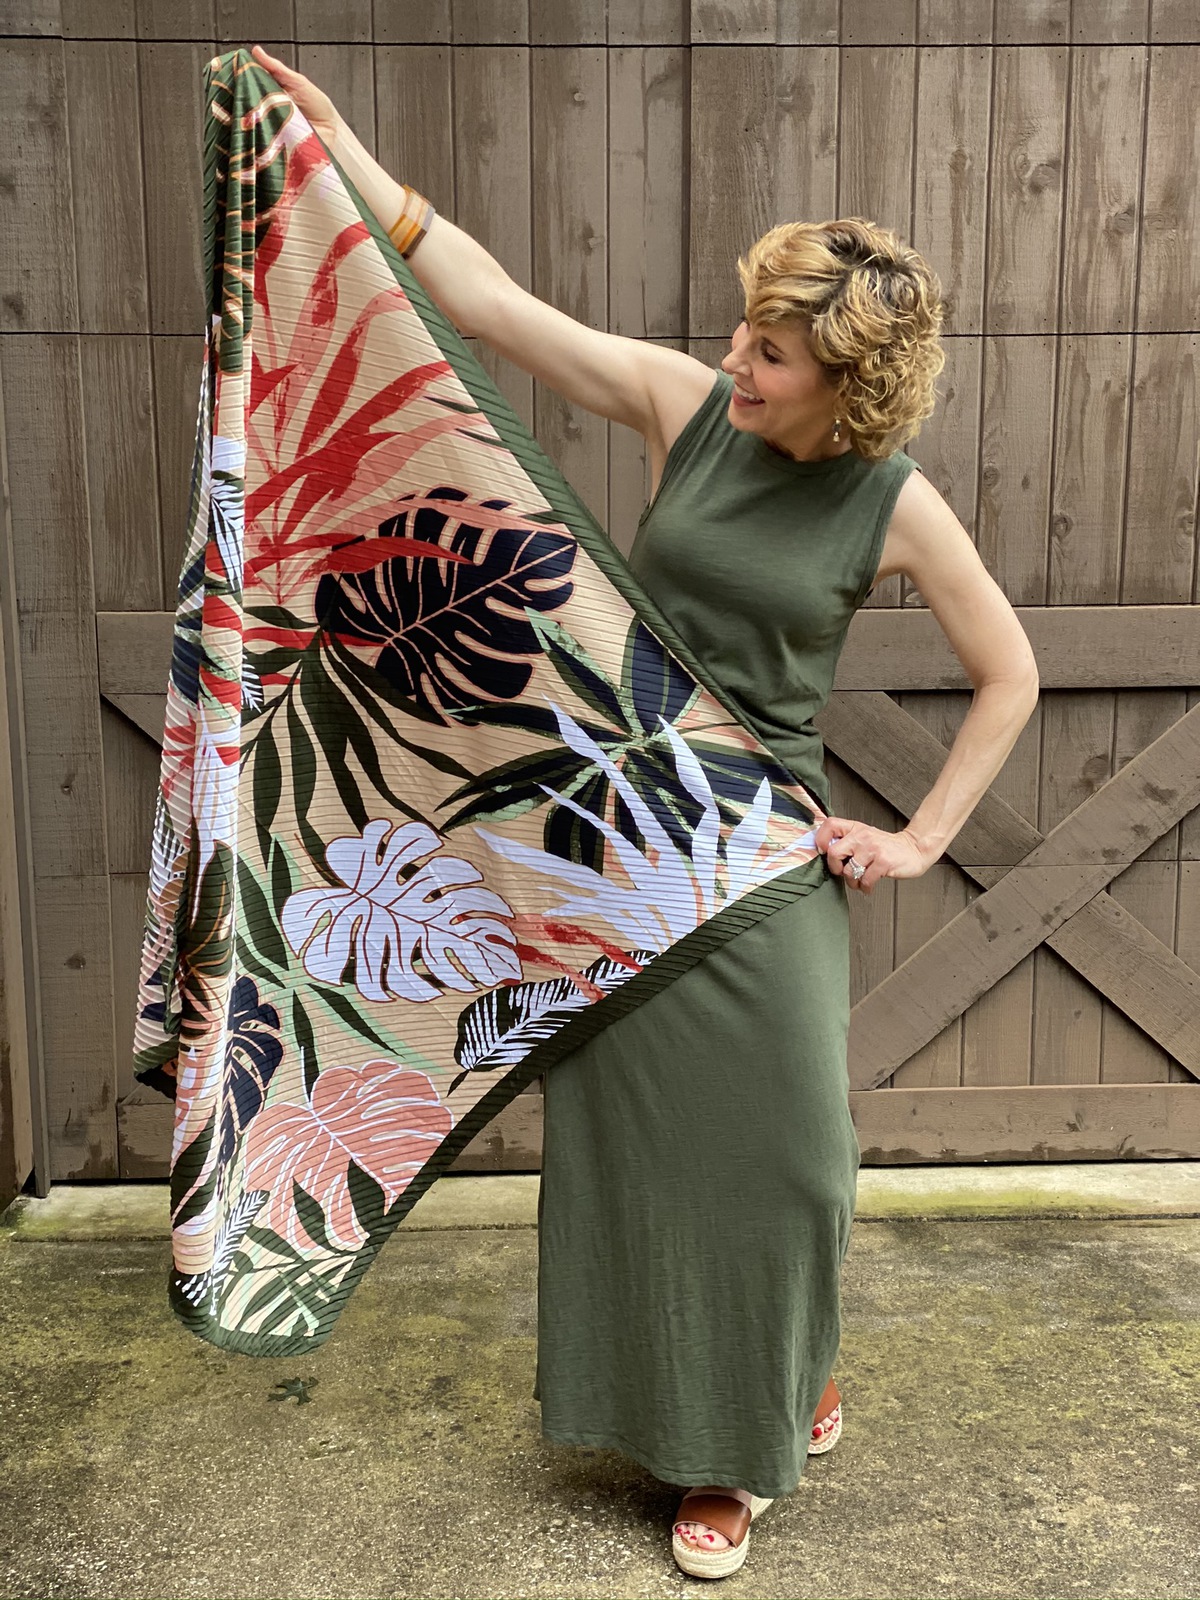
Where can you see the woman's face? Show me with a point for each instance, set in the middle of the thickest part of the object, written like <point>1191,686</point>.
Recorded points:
<point>795,398</point>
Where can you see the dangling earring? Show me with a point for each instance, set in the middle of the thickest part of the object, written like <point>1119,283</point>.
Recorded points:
<point>837,430</point>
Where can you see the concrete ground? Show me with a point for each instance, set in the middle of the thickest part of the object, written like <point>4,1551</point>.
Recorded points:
<point>1020,1368</point>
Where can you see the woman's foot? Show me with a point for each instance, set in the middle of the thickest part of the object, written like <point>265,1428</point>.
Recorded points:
<point>699,1534</point>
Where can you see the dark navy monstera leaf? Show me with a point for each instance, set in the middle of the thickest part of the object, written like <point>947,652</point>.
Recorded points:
<point>252,1053</point>
<point>452,630</point>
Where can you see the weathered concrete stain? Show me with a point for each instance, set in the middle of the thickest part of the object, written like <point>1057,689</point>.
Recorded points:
<point>1020,1420</point>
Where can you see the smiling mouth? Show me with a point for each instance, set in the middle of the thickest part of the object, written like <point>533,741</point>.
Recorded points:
<point>749,399</point>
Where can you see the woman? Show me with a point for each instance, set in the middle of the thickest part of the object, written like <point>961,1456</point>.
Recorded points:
<point>698,1178</point>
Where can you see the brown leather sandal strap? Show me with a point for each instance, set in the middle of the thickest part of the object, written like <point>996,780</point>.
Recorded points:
<point>720,1511</point>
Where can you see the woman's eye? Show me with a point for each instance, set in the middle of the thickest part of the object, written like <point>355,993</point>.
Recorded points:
<point>774,360</point>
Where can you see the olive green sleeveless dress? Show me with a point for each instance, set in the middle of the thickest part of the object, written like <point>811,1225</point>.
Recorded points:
<point>699,1162</point>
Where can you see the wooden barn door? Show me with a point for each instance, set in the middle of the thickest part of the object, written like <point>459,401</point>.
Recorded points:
<point>1035,995</point>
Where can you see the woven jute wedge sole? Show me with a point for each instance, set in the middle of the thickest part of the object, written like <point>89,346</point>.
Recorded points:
<point>714,1563</point>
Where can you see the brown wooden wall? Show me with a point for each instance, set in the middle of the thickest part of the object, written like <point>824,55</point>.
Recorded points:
<point>1036,994</point>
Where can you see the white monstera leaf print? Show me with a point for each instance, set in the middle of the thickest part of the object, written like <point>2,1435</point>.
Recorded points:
<point>390,917</point>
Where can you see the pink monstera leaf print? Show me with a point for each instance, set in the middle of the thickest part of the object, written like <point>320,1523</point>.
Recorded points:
<point>390,917</point>
<point>384,1117</point>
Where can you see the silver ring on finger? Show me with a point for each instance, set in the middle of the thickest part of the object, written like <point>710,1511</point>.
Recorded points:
<point>857,870</point>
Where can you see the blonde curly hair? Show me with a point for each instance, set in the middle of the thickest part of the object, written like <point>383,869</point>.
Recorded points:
<point>873,308</point>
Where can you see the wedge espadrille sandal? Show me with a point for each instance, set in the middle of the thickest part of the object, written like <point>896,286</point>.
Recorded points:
<point>728,1516</point>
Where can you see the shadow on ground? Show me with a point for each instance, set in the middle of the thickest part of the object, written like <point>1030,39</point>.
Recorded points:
<point>1021,1419</point>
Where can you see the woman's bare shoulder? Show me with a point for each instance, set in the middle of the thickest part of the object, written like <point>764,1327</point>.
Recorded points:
<point>678,385</point>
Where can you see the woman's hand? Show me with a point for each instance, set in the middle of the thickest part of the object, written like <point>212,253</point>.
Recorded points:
<point>316,105</point>
<point>883,854</point>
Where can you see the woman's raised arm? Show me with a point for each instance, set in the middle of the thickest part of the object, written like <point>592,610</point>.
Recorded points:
<point>629,380</point>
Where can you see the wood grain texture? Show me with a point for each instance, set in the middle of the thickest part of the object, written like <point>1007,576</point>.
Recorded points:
<point>414,108</point>
<point>615,159</point>
<point>647,253</point>
<point>570,252</point>
<point>1093,1123</point>
<point>1077,647</point>
<point>122,476</point>
<point>172,90</point>
<point>763,151</point>
<point>1169,283</point>
<point>647,22</point>
<point>950,161</point>
<point>346,72</point>
<point>106,187</point>
<point>1072,863</point>
<point>1025,212</point>
<point>1103,200</point>
<point>37,238</point>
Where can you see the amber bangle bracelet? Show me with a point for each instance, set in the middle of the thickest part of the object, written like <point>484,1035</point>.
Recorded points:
<point>413,223</point>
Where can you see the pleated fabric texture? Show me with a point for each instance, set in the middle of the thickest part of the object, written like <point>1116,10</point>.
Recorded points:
<point>443,793</point>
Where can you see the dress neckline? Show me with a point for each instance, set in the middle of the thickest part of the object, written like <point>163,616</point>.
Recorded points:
<point>788,464</point>
<point>801,469</point>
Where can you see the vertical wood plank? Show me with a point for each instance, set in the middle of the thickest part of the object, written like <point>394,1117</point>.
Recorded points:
<point>347,74</point>
<point>1033,21</point>
<point>1089,471</point>
<point>60,689</point>
<point>952,22</point>
<point>1102,200</point>
<point>1159,554</point>
<point>491,21</point>
<point>22,1130</point>
<point>1025,214</point>
<point>807,21</point>
<point>1014,499</point>
<point>1175,22</point>
<point>646,239</point>
<point>1111,22</point>
<point>951,167</point>
<point>110,243</point>
<point>131,773</point>
<point>38,17</point>
<point>642,22</point>
<point>879,22</point>
<point>492,183</point>
<point>128,892</point>
<point>763,151</point>
<point>247,22</point>
<point>414,111</point>
<point>172,94</point>
<point>413,22</point>
<point>333,21</point>
<point>121,471</point>
<point>733,21</point>
<point>876,136</point>
<point>996,1041</point>
<point>1067,1015</point>
<point>176,366</point>
<point>75,963</point>
<point>1169,283</point>
<point>570,229</point>
<point>82,20</point>
<point>571,22</point>
<point>175,19</point>
<point>37,239</point>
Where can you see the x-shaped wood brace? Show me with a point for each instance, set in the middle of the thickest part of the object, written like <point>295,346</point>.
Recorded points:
<point>1037,888</point>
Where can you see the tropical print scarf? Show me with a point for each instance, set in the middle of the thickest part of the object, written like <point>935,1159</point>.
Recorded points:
<point>441,793</point>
